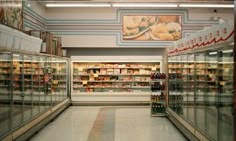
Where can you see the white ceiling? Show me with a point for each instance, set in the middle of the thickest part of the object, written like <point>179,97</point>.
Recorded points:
<point>124,1</point>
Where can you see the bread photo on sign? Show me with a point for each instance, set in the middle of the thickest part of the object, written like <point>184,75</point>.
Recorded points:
<point>166,31</point>
<point>135,26</point>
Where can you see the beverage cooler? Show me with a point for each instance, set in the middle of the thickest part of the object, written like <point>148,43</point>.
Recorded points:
<point>200,84</point>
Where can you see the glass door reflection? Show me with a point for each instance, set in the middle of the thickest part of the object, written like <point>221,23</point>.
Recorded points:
<point>18,89</point>
<point>5,92</point>
<point>225,96</point>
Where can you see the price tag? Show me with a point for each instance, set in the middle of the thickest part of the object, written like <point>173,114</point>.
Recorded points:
<point>95,75</point>
<point>85,82</point>
<point>153,68</point>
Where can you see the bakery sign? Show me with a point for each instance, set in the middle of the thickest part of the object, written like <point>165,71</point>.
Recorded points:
<point>217,34</point>
<point>152,27</point>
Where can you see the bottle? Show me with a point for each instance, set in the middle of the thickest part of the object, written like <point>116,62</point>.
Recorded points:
<point>164,76</point>
<point>152,87</point>
<point>158,86</point>
<point>161,76</point>
<point>157,75</point>
<point>163,87</point>
<point>152,76</point>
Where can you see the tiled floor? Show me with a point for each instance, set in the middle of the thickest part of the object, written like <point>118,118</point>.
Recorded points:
<point>109,124</point>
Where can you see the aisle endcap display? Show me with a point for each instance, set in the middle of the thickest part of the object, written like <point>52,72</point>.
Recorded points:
<point>15,39</point>
<point>158,94</point>
<point>200,82</point>
<point>221,33</point>
<point>112,78</point>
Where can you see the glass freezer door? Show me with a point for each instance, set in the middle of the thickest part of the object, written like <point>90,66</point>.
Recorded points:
<point>5,92</point>
<point>225,95</point>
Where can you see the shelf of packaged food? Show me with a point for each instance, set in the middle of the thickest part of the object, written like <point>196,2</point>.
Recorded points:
<point>118,68</point>
<point>226,62</point>
<point>157,92</point>
<point>160,101</point>
<point>187,81</point>
<point>112,93</point>
<point>175,80</point>
<point>58,74</point>
<point>201,74</point>
<point>211,68</point>
<point>157,80</point>
<point>115,81</point>
<point>58,87</point>
<point>188,74</point>
<point>112,74</point>
<point>174,93</point>
<point>186,68</point>
<point>113,87</point>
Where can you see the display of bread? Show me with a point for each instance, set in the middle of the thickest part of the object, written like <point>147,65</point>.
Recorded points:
<point>166,28</point>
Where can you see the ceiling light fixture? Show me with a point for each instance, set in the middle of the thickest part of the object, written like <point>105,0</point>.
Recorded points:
<point>143,5</point>
<point>79,5</point>
<point>208,5</point>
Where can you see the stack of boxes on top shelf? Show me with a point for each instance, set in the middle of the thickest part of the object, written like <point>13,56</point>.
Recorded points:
<point>51,44</point>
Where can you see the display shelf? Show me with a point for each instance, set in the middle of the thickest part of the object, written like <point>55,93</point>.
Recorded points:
<point>158,94</point>
<point>112,77</point>
<point>119,68</point>
<point>112,74</point>
<point>113,93</point>
<point>116,81</point>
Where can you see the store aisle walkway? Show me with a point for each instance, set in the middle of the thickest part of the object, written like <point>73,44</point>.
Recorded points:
<point>109,124</point>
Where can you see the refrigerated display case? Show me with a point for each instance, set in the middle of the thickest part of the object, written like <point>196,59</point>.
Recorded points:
<point>207,85</point>
<point>112,77</point>
<point>5,92</point>
<point>30,85</point>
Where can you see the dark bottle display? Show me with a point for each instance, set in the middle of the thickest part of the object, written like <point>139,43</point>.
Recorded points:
<point>158,108</point>
<point>156,76</point>
<point>157,86</point>
<point>158,99</point>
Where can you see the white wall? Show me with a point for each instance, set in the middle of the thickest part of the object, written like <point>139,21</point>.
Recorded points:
<point>81,13</point>
<point>38,8</point>
<point>110,13</point>
<point>34,16</point>
<point>205,13</point>
<point>88,41</point>
<point>101,27</point>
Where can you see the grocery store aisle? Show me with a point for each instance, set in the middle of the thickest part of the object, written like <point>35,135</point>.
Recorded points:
<point>109,124</point>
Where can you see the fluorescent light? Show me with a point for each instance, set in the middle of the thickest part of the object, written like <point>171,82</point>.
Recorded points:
<point>143,5</point>
<point>208,5</point>
<point>228,51</point>
<point>79,5</point>
<point>213,53</point>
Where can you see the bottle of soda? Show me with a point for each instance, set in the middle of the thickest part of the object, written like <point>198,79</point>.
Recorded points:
<point>164,76</point>
<point>151,76</point>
